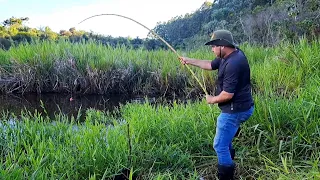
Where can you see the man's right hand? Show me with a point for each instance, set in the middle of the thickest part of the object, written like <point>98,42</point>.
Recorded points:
<point>183,60</point>
<point>203,64</point>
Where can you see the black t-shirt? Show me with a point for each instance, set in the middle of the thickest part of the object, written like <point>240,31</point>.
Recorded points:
<point>234,77</point>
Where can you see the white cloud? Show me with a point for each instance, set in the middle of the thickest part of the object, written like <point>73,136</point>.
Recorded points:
<point>146,12</point>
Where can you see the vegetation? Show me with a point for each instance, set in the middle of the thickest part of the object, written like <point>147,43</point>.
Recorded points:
<point>170,140</point>
<point>263,22</point>
<point>90,68</point>
<point>281,140</point>
<point>14,32</point>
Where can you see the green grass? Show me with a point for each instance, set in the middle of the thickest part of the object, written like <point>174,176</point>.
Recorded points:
<point>36,147</point>
<point>89,68</point>
<point>168,141</point>
<point>280,141</point>
<point>94,68</point>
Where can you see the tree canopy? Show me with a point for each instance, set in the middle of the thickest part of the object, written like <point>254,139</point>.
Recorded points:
<point>265,22</point>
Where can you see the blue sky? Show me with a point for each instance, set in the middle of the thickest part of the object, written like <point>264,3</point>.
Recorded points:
<point>64,14</point>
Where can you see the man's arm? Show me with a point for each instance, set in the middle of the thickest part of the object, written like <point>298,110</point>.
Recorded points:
<point>222,97</point>
<point>230,82</point>
<point>203,64</point>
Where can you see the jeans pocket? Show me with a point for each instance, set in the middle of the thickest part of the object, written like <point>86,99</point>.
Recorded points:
<point>246,115</point>
<point>225,120</point>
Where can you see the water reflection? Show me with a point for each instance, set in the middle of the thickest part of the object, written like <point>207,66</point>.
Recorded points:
<point>59,103</point>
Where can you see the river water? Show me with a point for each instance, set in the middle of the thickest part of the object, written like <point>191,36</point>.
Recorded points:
<point>62,103</point>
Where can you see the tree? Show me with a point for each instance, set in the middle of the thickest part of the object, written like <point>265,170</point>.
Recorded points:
<point>5,44</point>
<point>136,43</point>
<point>65,33</point>
<point>179,28</point>
<point>72,30</point>
<point>12,21</point>
<point>3,32</point>
<point>48,34</point>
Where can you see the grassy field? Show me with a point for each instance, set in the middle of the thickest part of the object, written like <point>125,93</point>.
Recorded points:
<point>164,141</point>
<point>171,141</point>
<point>90,68</point>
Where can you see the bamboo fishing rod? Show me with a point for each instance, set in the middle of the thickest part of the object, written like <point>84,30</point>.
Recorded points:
<point>155,34</point>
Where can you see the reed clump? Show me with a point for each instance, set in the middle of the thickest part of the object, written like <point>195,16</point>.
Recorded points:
<point>91,68</point>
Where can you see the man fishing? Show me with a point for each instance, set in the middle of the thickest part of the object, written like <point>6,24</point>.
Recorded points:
<point>232,94</point>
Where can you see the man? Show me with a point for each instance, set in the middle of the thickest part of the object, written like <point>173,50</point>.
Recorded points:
<point>233,95</point>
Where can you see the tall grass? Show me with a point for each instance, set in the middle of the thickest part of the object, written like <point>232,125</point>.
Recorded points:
<point>174,141</point>
<point>89,67</point>
<point>37,148</point>
<point>169,141</point>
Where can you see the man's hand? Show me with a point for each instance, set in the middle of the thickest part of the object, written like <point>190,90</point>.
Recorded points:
<point>222,97</point>
<point>183,60</point>
<point>203,64</point>
<point>211,99</point>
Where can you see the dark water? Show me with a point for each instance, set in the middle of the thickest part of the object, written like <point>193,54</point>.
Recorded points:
<point>62,103</point>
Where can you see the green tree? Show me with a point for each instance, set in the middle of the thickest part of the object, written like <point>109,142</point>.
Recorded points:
<point>48,34</point>
<point>136,43</point>
<point>179,28</point>
<point>5,43</point>
<point>14,21</point>
<point>3,32</point>
<point>65,33</point>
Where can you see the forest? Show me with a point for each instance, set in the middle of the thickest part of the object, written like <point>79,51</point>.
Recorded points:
<point>263,22</point>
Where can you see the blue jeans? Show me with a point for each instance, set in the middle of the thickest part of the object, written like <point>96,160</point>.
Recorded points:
<point>227,126</point>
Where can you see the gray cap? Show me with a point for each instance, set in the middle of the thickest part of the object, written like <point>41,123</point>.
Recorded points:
<point>222,38</point>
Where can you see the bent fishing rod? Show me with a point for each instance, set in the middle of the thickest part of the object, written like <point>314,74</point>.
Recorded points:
<point>156,35</point>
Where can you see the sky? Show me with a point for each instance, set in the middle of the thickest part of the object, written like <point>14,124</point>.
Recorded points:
<point>64,14</point>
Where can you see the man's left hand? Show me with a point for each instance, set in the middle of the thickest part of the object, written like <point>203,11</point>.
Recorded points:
<point>210,99</point>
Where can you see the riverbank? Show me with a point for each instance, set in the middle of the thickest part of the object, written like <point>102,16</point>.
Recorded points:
<point>88,68</point>
<point>163,142</point>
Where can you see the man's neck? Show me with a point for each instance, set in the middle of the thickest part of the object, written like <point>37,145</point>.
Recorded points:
<point>228,52</point>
